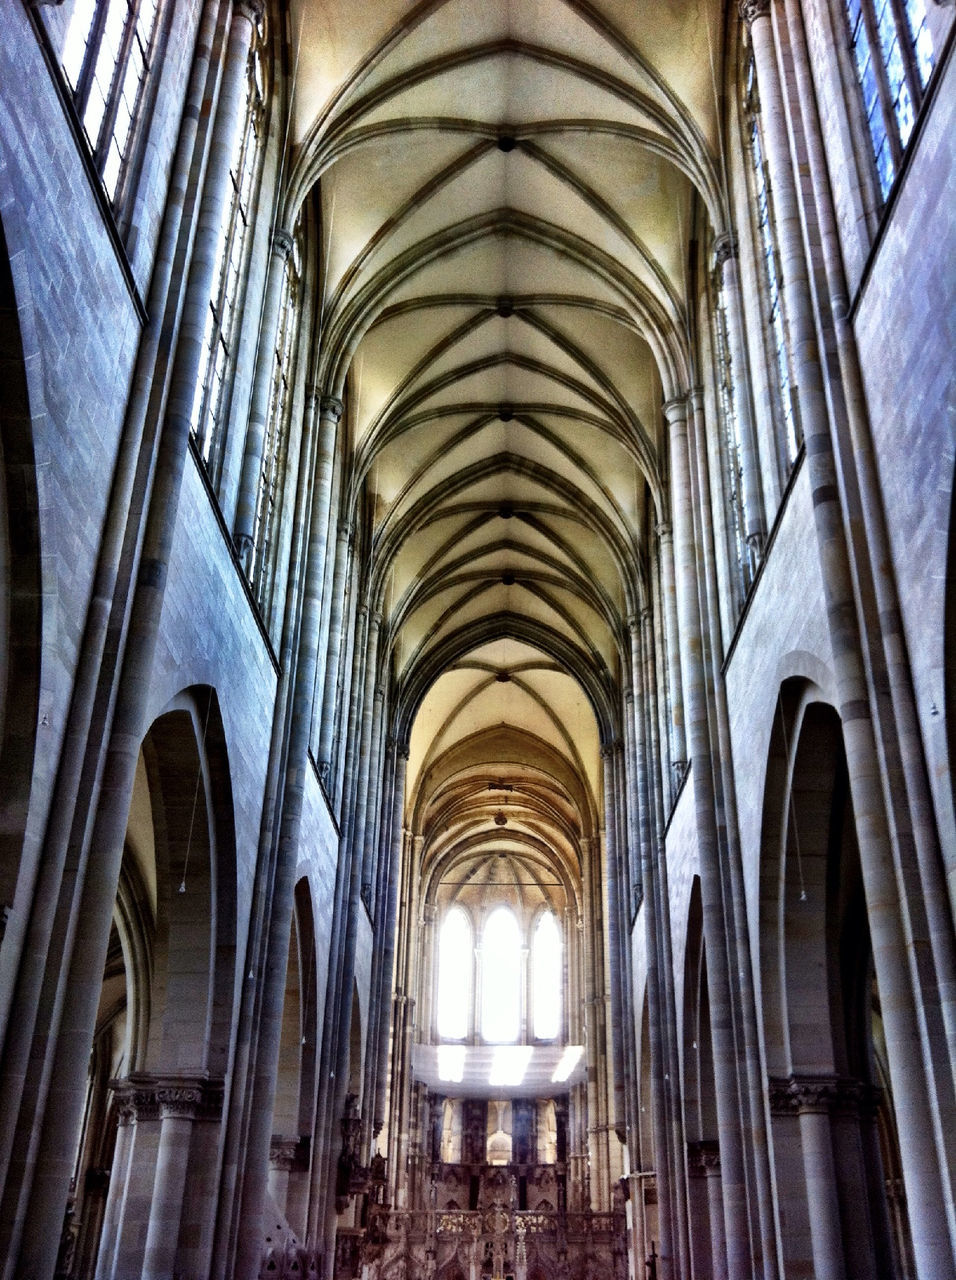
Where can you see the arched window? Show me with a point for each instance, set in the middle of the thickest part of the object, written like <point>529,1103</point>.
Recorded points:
<point>731,447</point>
<point>501,978</point>
<point>547,978</point>
<point>893,54</point>
<point>221,334</point>
<point>454,975</point>
<point>269,494</point>
<point>769,266</point>
<point>107,58</point>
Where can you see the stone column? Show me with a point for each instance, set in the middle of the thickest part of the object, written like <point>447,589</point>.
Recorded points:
<point>336,636</point>
<point>810,1098</point>
<point>710,1158</point>
<point>912,1076</point>
<point>672,641</point>
<point>256,430</point>
<point>734,1188</point>
<point>262,1077</point>
<point>178,1103</point>
<point>395,844</point>
<point>611,837</point>
<point>755,525</point>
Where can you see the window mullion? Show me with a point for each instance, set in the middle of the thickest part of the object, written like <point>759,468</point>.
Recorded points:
<point>104,139</point>
<point>890,126</point>
<point>81,94</point>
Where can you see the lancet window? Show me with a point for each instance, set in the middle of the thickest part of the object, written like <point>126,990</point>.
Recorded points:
<point>221,333</point>
<point>893,55</point>
<point>504,980</point>
<point>107,58</point>
<point>275,446</point>
<point>789,434</point>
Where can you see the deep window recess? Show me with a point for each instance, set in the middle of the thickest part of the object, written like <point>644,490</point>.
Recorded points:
<point>501,978</point>
<point>769,266</point>
<point>731,449</point>
<point>221,334</point>
<point>893,55</point>
<point>546,978</point>
<point>107,58</point>
<point>455,961</point>
<point>275,446</point>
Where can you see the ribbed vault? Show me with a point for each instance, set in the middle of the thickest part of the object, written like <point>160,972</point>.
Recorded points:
<point>507,192</point>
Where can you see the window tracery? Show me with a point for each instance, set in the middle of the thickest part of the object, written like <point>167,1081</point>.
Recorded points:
<point>107,58</point>
<point>220,336</point>
<point>275,446</point>
<point>893,56</point>
<point>769,267</point>
<point>504,979</point>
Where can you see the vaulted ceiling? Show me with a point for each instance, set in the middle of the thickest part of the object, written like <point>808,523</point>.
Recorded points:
<point>508,191</point>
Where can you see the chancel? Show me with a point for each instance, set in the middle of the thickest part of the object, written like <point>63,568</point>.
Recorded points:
<point>477,640</point>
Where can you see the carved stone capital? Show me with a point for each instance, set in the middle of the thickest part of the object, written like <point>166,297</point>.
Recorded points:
<point>253,10</point>
<point>282,243</point>
<point>751,10</point>
<point>802,1095</point>
<point>282,1153</point>
<point>179,1102</point>
<point>331,407</point>
<point>675,409</point>
<point>664,531</point>
<point>725,248</point>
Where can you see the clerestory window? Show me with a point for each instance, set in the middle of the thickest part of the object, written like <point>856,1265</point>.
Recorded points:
<point>789,435</point>
<point>731,449</point>
<point>893,54</point>
<point>221,333</point>
<point>275,446</point>
<point>505,978</point>
<point>107,59</point>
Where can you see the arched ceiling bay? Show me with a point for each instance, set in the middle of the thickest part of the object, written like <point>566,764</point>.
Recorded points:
<point>507,191</point>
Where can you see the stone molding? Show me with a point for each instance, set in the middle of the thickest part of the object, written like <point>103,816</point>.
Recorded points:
<point>143,1098</point>
<point>751,10</point>
<point>820,1094</point>
<point>331,407</point>
<point>282,243</point>
<point>725,248</point>
<point>703,1158</point>
<point>254,10</point>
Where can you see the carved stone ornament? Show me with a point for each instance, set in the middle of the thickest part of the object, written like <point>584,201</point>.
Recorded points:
<point>331,407</point>
<point>751,10</point>
<point>282,1153</point>
<point>802,1095</point>
<point>725,248</point>
<point>282,243</point>
<point>254,10</point>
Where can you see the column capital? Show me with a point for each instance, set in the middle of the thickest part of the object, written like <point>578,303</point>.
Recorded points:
<point>675,409</point>
<point>802,1094</point>
<point>751,10</point>
<point>725,248</point>
<point>664,531</point>
<point>254,10</point>
<point>282,243</point>
<point>330,407</point>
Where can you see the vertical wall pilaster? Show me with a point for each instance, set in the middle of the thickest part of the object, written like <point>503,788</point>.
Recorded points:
<point>244,531</point>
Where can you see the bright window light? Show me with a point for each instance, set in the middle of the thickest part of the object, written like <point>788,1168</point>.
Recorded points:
<point>569,1060</point>
<point>509,1064</point>
<point>501,978</point>
<point>451,1063</point>
<point>454,975</point>
<point>546,960</point>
